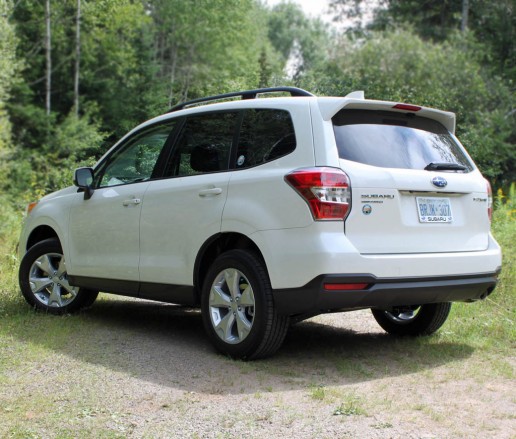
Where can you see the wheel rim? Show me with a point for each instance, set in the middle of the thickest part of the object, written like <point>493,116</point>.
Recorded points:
<point>48,281</point>
<point>403,317</point>
<point>231,305</point>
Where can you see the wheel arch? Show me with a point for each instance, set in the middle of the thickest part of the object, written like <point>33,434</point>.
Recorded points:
<point>215,246</point>
<point>39,234</point>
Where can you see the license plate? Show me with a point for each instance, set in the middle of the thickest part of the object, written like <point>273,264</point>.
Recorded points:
<point>434,210</point>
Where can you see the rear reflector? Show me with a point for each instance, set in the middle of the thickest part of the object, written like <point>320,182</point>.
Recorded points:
<point>326,191</point>
<point>340,287</point>
<point>489,201</point>
<point>407,107</point>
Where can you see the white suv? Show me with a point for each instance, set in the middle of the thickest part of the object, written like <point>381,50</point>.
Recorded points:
<point>272,210</point>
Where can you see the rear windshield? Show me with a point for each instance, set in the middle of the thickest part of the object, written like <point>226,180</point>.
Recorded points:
<point>395,140</point>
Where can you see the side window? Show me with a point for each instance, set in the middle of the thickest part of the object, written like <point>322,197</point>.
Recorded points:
<point>203,145</point>
<point>135,161</point>
<point>265,136</point>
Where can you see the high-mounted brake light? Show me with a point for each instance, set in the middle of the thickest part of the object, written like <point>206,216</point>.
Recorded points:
<point>489,201</point>
<point>407,107</point>
<point>326,190</point>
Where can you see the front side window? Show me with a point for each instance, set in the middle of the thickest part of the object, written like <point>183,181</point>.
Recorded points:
<point>203,145</point>
<point>394,140</point>
<point>135,161</point>
<point>265,136</point>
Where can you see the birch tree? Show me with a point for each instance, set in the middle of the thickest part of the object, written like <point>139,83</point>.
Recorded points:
<point>77,58</point>
<point>48,52</point>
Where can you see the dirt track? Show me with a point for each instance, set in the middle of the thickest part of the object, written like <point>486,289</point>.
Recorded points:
<point>140,369</point>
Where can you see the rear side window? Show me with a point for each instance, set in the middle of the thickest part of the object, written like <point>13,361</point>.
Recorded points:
<point>393,140</point>
<point>265,135</point>
<point>203,145</point>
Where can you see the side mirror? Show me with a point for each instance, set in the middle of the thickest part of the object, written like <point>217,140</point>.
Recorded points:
<point>83,179</point>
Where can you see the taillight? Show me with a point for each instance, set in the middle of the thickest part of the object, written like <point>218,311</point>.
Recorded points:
<point>326,190</point>
<point>489,201</point>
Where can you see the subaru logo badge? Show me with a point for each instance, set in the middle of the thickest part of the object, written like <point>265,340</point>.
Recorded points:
<point>439,181</point>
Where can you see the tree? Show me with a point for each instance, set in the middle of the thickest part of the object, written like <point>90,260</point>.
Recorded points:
<point>493,23</point>
<point>9,67</point>
<point>213,50</point>
<point>48,57</point>
<point>399,66</point>
<point>465,15</point>
<point>303,43</point>
<point>77,59</point>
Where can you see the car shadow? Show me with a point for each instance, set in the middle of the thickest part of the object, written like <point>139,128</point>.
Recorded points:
<point>166,344</point>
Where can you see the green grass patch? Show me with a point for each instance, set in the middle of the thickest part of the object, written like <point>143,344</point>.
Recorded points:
<point>352,405</point>
<point>318,393</point>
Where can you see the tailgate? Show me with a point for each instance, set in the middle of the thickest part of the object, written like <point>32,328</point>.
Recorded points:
<point>410,215</point>
<point>414,188</point>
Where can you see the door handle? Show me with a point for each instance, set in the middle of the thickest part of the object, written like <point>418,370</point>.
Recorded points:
<point>132,201</point>
<point>210,192</point>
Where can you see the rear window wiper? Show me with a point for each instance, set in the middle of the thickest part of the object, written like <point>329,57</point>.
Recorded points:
<point>445,167</point>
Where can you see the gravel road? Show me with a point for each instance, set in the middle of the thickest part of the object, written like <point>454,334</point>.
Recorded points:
<point>140,369</point>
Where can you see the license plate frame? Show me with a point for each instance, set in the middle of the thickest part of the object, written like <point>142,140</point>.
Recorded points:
<point>433,210</point>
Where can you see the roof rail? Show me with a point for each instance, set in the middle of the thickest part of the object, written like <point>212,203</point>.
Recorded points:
<point>247,94</point>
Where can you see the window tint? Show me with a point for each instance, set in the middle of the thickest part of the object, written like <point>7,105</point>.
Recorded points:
<point>135,161</point>
<point>392,140</point>
<point>265,135</point>
<point>203,145</point>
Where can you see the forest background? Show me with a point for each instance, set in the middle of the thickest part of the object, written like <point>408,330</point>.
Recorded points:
<point>75,75</point>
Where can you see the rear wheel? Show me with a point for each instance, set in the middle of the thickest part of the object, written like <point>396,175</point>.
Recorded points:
<point>422,320</point>
<point>238,308</point>
<point>44,282</point>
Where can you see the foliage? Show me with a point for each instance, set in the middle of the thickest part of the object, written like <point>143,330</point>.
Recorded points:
<point>139,58</point>
<point>400,66</point>
<point>32,174</point>
<point>9,66</point>
<point>302,43</point>
<point>505,211</point>
<point>492,22</point>
<point>216,49</point>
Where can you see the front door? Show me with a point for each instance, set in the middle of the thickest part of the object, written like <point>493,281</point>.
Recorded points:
<point>105,229</point>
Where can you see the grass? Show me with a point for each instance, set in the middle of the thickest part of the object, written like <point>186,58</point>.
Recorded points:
<point>352,405</point>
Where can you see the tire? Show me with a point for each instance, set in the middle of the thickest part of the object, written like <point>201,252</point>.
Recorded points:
<point>424,320</point>
<point>238,308</point>
<point>44,282</point>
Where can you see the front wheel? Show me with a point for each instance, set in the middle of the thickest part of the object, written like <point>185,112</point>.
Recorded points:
<point>422,320</point>
<point>44,282</point>
<point>238,308</point>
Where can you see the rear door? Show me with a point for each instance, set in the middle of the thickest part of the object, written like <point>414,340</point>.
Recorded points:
<point>414,189</point>
<point>182,210</point>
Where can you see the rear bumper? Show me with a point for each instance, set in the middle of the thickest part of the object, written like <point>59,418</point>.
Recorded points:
<point>295,257</point>
<point>314,298</point>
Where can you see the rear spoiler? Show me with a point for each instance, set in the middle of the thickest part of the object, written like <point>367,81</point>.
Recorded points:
<point>329,106</point>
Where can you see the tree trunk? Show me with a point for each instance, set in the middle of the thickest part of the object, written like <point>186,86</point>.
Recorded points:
<point>172,77</point>
<point>77,59</point>
<point>48,50</point>
<point>465,13</point>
